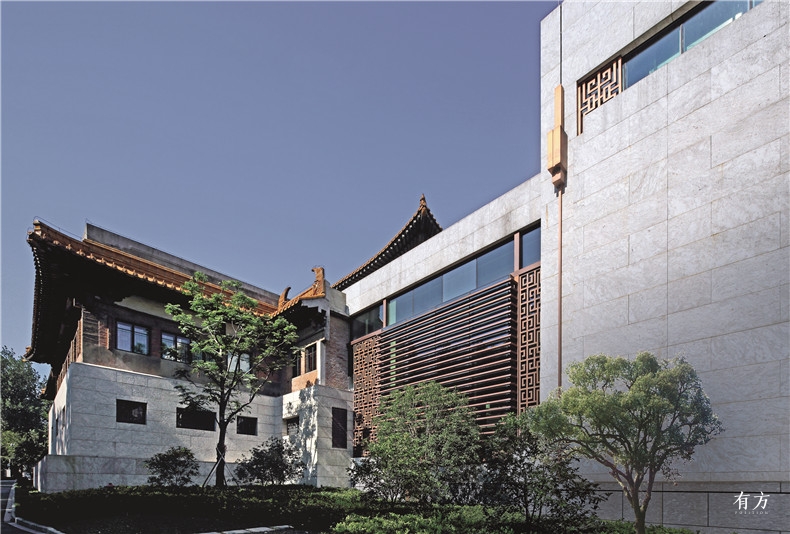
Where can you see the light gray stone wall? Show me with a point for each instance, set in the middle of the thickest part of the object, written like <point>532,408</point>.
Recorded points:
<point>55,473</point>
<point>675,232</point>
<point>85,408</point>
<point>93,431</point>
<point>324,465</point>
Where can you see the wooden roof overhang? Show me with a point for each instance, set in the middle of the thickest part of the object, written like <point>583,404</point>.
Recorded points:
<point>421,227</point>
<point>68,268</point>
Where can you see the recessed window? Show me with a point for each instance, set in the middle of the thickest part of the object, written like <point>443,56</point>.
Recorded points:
<point>239,364</point>
<point>495,265</point>
<point>130,412</point>
<point>195,419</point>
<point>530,247</point>
<point>682,36</point>
<point>310,358</point>
<point>367,322</point>
<point>339,428</point>
<point>175,347</point>
<point>247,426</point>
<point>292,426</point>
<point>478,272</point>
<point>297,367</point>
<point>132,338</point>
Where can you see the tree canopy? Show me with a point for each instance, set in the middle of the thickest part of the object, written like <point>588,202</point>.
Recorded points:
<point>235,352</point>
<point>635,417</point>
<point>427,444</point>
<point>23,416</point>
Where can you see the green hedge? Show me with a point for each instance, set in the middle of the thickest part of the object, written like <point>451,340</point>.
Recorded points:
<point>130,510</point>
<point>233,507</point>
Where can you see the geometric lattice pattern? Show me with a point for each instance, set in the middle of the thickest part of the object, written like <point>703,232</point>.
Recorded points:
<point>366,391</point>
<point>597,89</point>
<point>528,339</point>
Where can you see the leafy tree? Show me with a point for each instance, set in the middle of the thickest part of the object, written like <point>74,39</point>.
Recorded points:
<point>635,417</point>
<point>23,416</point>
<point>538,478</point>
<point>426,448</point>
<point>274,462</point>
<point>174,467</point>
<point>235,352</point>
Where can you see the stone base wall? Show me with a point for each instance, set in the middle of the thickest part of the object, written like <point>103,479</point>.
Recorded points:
<point>711,508</point>
<point>55,473</point>
<point>325,465</point>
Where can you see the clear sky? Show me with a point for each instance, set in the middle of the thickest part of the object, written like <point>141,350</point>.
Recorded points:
<point>258,139</point>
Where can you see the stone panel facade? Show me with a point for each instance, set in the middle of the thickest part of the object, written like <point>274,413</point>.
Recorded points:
<point>675,221</point>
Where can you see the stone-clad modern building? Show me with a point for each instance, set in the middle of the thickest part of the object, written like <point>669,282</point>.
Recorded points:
<point>661,224</point>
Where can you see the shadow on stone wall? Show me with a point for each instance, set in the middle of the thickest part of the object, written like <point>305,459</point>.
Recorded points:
<point>307,436</point>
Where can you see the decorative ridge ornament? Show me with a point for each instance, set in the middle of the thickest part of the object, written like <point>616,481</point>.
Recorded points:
<point>421,227</point>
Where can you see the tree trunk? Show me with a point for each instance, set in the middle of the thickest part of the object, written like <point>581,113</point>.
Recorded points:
<point>220,480</point>
<point>639,518</point>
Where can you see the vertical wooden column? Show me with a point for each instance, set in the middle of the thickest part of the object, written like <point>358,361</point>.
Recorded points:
<point>557,164</point>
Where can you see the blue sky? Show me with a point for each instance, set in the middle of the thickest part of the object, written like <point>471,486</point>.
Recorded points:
<point>258,139</point>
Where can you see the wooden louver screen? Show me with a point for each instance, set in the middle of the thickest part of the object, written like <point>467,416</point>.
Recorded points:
<point>468,345</point>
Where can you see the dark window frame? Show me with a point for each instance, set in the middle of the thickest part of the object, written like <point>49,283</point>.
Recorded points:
<point>130,412</point>
<point>179,352</point>
<point>196,419</point>
<point>134,330</point>
<point>247,426</point>
<point>292,426</point>
<point>339,428</point>
<point>311,358</point>
<point>461,279</point>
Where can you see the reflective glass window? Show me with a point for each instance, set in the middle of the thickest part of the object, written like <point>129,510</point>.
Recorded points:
<point>458,281</point>
<point>131,338</point>
<point>653,57</point>
<point>140,340</point>
<point>427,296</point>
<point>243,365</point>
<point>530,247</point>
<point>124,336</point>
<point>175,347</point>
<point>400,308</point>
<point>495,265</point>
<point>310,359</point>
<point>710,19</point>
<point>366,322</point>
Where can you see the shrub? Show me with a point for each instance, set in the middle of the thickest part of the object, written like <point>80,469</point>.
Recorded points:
<point>274,462</point>
<point>174,467</point>
<point>426,448</point>
<point>443,519</point>
<point>537,478</point>
<point>627,527</point>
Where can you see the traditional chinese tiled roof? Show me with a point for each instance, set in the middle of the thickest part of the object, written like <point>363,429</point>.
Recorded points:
<point>315,291</point>
<point>60,260</point>
<point>421,227</point>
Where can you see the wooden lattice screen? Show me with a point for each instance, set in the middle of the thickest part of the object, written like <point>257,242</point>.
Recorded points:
<point>597,89</point>
<point>528,346</point>
<point>366,390</point>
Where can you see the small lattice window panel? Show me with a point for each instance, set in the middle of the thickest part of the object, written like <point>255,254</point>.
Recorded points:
<point>597,89</point>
